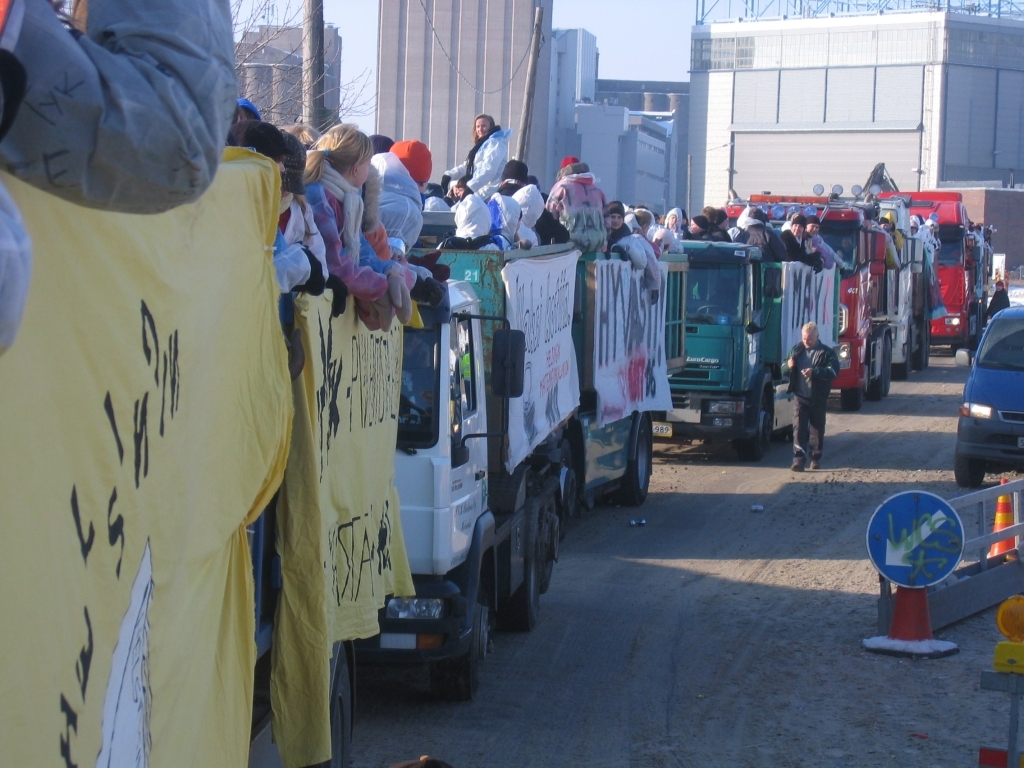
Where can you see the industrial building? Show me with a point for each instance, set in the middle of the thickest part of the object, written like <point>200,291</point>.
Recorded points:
<point>779,106</point>
<point>441,64</point>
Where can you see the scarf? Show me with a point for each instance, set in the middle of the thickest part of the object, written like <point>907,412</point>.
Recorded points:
<point>286,201</point>
<point>352,206</point>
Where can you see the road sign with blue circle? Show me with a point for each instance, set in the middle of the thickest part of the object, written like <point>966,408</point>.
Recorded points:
<point>915,539</point>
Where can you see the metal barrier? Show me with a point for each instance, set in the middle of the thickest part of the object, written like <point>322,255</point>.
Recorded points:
<point>982,581</point>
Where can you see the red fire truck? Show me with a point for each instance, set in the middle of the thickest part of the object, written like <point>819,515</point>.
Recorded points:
<point>964,263</point>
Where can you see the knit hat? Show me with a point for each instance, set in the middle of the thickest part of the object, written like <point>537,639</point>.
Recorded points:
<point>515,170</point>
<point>702,222</point>
<point>416,158</point>
<point>570,160</point>
<point>294,165</point>
<point>572,169</point>
<point>262,137</point>
<point>813,219</point>
<point>799,220</point>
<point>381,143</point>
<point>246,104</point>
<point>615,207</point>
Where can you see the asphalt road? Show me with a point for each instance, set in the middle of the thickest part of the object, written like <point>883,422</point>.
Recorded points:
<point>717,636</point>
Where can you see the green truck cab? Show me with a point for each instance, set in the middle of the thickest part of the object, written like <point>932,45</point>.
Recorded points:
<point>734,307</point>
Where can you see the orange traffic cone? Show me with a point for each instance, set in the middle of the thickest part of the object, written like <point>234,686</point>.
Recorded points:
<point>1004,519</point>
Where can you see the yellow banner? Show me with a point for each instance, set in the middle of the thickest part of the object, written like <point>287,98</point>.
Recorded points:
<point>339,529</point>
<point>146,411</point>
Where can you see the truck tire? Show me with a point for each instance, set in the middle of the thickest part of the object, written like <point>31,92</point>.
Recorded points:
<point>879,387</point>
<point>756,447</point>
<point>637,480</point>
<point>901,371</point>
<point>523,610</point>
<point>919,358</point>
<point>341,710</point>
<point>851,399</point>
<point>458,679</point>
<point>969,473</point>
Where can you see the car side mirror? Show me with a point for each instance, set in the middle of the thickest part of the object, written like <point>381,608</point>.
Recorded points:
<point>508,363</point>
<point>772,283</point>
<point>876,268</point>
<point>963,358</point>
<point>460,454</point>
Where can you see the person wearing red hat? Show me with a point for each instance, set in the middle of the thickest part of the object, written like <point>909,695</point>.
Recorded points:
<point>415,156</point>
<point>567,161</point>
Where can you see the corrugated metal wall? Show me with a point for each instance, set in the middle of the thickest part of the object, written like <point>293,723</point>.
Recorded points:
<point>802,96</point>
<point>1010,120</point>
<point>970,119</point>
<point>756,97</point>
<point>851,94</point>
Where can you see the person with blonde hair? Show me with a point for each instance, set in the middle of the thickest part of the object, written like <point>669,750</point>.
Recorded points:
<point>343,189</point>
<point>486,160</point>
<point>811,367</point>
<point>307,134</point>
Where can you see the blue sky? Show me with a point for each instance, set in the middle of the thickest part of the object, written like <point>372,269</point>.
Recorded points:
<point>646,39</point>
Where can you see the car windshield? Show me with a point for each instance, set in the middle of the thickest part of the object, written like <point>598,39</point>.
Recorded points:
<point>951,254</point>
<point>714,293</point>
<point>417,419</point>
<point>1003,346</point>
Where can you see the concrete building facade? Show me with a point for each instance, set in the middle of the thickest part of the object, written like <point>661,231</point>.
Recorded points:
<point>573,80</point>
<point>268,60</point>
<point>779,106</point>
<point>441,66</point>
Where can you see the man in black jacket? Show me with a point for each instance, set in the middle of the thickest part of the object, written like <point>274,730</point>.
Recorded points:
<point>1000,300</point>
<point>796,249</point>
<point>811,367</point>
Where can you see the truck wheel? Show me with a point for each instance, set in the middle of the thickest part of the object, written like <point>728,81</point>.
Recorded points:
<point>341,710</point>
<point>926,345</point>
<point>851,399</point>
<point>459,679</point>
<point>969,473</point>
<point>523,611</point>
<point>901,371</point>
<point>637,480</point>
<point>919,358</point>
<point>756,447</point>
<point>879,387</point>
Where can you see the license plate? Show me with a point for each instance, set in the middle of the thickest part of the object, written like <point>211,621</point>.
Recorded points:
<point>661,429</point>
<point>1020,442</point>
<point>397,640</point>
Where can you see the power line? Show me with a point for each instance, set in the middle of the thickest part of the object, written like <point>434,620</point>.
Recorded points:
<point>506,84</point>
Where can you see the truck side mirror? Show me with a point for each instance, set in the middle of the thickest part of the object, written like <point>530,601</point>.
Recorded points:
<point>876,268</point>
<point>460,454</point>
<point>772,283</point>
<point>508,361</point>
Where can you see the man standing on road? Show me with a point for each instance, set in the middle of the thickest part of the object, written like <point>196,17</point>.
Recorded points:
<point>811,367</point>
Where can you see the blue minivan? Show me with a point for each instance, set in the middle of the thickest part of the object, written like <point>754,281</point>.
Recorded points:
<point>990,433</point>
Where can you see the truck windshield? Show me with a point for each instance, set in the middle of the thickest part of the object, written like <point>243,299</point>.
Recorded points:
<point>842,240</point>
<point>951,254</point>
<point>417,417</point>
<point>1003,347</point>
<point>714,293</point>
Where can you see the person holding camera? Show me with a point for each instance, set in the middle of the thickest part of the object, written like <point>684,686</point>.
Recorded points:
<point>811,368</point>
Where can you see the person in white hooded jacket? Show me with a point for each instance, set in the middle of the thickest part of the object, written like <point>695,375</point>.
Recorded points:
<point>483,166</point>
<point>531,202</point>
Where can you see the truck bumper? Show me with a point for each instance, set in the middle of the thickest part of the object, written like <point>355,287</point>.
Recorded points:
<point>953,328</point>
<point>852,371</point>
<point>695,422</point>
<point>411,641</point>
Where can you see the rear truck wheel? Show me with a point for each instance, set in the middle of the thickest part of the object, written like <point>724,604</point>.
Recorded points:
<point>879,388</point>
<point>637,480</point>
<point>926,345</point>
<point>458,679</point>
<point>568,502</point>
<point>901,371</point>
<point>756,447</point>
<point>851,399</point>
<point>969,473</point>
<point>919,357</point>
<point>341,710</point>
<point>523,610</point>
<point>549,535</point>
<point>887,366</point>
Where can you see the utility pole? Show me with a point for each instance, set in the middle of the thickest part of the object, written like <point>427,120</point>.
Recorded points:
<point>313,111</point>
<point>523,145</point>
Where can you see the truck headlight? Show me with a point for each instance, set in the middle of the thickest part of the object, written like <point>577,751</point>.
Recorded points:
<point>976,411</point>
<point>725,406</point>
<point>844,319</point>
<point>845,354</point>
<point>952,321</point>
<point>414,608</point>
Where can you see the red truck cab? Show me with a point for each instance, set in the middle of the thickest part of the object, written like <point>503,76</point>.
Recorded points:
<point>962,265</point>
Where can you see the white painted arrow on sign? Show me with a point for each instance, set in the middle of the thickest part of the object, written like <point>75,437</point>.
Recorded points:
<point>896,553</point>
